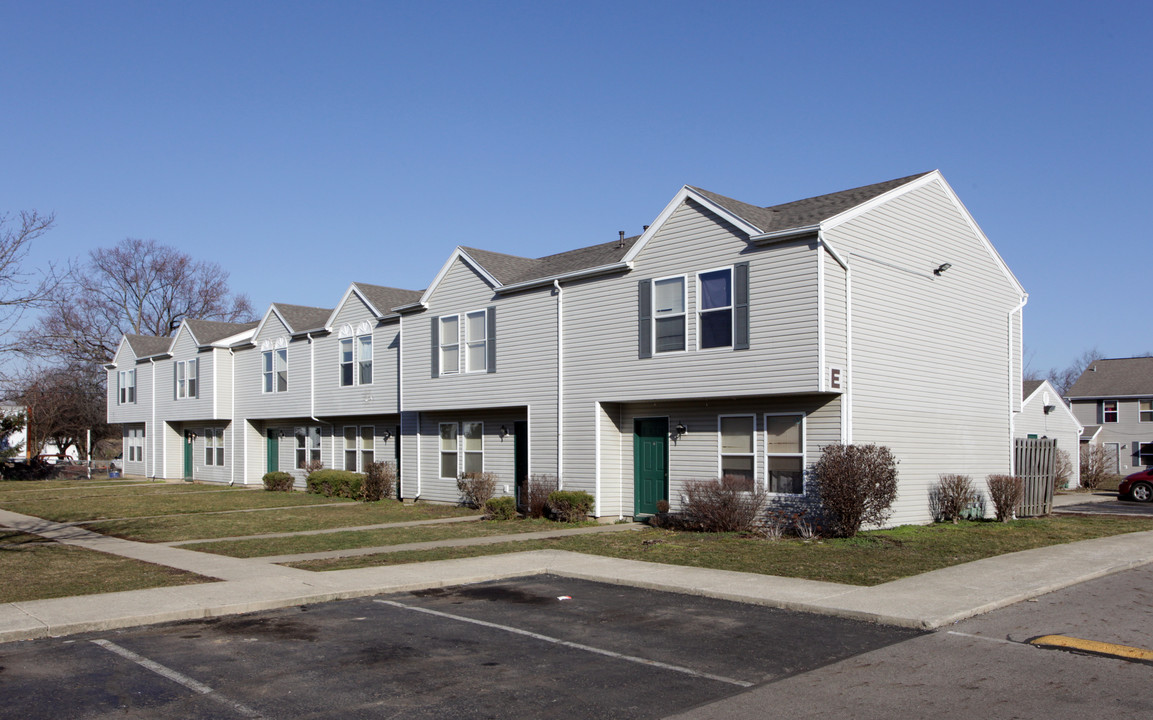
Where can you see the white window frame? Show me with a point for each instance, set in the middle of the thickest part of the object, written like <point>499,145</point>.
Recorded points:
<point>801,454</point>
<point>444,345</point>
<point>366,447</point>
<point>356,363</point>
<point>721,454</point>
<point>1142,453</point>
<point>310,449</point>
<point>181,380</point>
<point>441,451</point>
<point>352,447</point>
<point>214,446</point>
<point>1141,414</point>
<point>126,381</point>
<point>471,342</point>
<point>135,443</point>
<point>683,314</point>
<point>464,451</point>
<point>701,310</point>
<point>270,373</point>
<point>1116,411</point>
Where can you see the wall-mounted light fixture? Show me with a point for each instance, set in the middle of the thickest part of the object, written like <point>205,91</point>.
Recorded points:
<point>679,430</point>
<point>386,435</point>
<point>503,432</point>
<point>1049,408</point>
<point>942,268</point>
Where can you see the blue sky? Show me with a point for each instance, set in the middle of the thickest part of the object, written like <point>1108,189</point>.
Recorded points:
<point>305,145</point>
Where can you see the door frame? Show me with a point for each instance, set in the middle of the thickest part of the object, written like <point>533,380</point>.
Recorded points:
<point>663,491</point>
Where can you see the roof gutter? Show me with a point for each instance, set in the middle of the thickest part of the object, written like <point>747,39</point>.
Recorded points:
<point>410,308</point>
<point>574,275</point>
<point>779,235</point>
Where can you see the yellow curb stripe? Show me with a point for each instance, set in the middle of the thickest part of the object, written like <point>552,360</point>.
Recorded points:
<point>1093,646</point>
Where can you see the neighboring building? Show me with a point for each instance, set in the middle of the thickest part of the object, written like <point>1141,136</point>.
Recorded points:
<point>727,338</point>
<point>1045,415</point>
<point>19,437</point>
<point>1113,399</point>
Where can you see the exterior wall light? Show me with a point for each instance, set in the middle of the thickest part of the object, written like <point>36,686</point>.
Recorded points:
<point>679,430</point>
<point>503,432</point>
<point>942,268</point>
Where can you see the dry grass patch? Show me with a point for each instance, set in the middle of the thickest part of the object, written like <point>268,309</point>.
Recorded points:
<point>148,502</point>
<point>370,538</point>
<point>296,519</point>
<point>32,568</point>
<point>870,558</point>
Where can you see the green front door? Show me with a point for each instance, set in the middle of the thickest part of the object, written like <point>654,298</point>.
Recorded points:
<point>650,464</point>
<point>273,450</point>
<point>188,438</point>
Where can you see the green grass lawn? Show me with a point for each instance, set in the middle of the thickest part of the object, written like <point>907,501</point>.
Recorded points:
<point>148,500</point>
<point>32,568</point>
<point>370,538</point>
<point>295,519</point>
<point>871,558</point>
<point>51,488</point>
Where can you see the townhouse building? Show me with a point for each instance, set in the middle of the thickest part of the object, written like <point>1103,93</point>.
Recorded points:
<point>725,339</point>
<point>1113,399</point>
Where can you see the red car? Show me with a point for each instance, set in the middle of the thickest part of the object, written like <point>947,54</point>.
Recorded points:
<point>1138,486</point>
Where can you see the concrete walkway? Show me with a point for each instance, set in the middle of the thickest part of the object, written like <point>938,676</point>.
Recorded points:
<point>930,600</point>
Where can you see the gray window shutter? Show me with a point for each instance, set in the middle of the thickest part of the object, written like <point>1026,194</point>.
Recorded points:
<point>117,386</point>
<point>175,381</point>
<point>491,344</point>
<point>645,318</point>
<point>741,306</point>
<point>197,366</point>
<point>435,347</point>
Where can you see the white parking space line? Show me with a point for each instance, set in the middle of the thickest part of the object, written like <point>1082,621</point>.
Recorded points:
<point>577,646</point>
<point>176,677</point>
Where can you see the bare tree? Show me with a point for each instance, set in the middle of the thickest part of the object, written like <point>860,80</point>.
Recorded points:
<point>61,404</point>
<point>19,290</point>
<point>1063,378</point>
<point>139,287</point>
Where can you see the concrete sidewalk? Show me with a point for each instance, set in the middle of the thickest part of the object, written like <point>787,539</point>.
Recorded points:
<point>930,600</point>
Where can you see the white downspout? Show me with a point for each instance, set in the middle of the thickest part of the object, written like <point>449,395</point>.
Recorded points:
<point>152,435</point>
<point>231,415</point>
<point>560,393</point>
<point>1014,382</point>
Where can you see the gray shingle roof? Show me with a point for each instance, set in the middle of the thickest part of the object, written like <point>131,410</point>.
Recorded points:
<point>810,211</point>
<point>145,345</point>
<point>511,269</point>
<point>207,332</point>
<point>301,318</point>
<point>1028,387</point>
<point>384,299</point>
<point>1114,378</point>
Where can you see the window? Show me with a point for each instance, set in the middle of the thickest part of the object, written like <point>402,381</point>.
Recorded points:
<point>358,370</point>
<point>186,379</point>
<point>214,446</point>
<point>1108,411</point>
<point>669,314</point>
<point>126,380</point>
<point>350,447</point>
<point>450,345</point>
<point>737,447</point>
<point>364,360</point>
<point>448,450</point>
<point>785,453</point>
<point>367,447</point>
<point>473,447</point>
<point>1145,453</point>
<point>715,299</point>
<point>275,370</point>
<point>307,445</point>
<point>1145,410</point>
<point>134,444</point>
<point>192,367</point>
<point>476,325</point>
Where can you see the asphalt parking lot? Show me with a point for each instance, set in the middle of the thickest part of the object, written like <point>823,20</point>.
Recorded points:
<point>542,647</point>
<point>1109,507</point>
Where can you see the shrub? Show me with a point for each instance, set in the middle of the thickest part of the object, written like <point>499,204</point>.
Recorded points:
<point>1006,492</point>
<point>856,485</point>
<point>336,483</point>
<point>1062,469</point>
<point>570,505</point>
<point>501,508</point>
<point>278,481</point>
<point>539,488</point>
<point>477,487</point>
<point>662,506</point>
<point>953,495</point>
<point>379,481</point>
<point>1093,462</point>
<point>311,466</point>
<point>730,504</point>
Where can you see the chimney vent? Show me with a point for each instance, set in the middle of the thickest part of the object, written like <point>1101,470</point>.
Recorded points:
<point>621,242</point>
